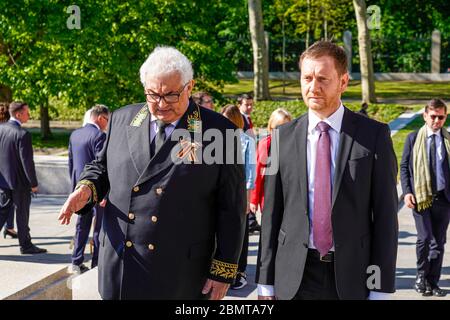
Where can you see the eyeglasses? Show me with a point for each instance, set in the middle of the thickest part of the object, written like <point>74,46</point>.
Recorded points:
<point>168,98</point>
<point>433,117</point>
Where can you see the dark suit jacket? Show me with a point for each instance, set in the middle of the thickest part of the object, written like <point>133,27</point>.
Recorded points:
<point>84,144</point>
<point>364,209</point>
<point>406,166</point>
<point>187,219</point>
<point>17,170</point>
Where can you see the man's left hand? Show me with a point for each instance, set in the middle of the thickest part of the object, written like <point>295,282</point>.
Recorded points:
<point>217,289</point>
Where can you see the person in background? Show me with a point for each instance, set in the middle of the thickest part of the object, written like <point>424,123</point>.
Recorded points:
<point>363,110</point>
<point>277,118</point>
<point>203,99</point>
<point>9,225</point>
<point>246,103</point>
<point>17,174</point>
<point>87,117</point>
<point>84,145</point>
<point>231,112</point>
<point>425,178</point>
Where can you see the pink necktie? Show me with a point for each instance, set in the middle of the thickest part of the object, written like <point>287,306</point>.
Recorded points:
<point>322,230</point>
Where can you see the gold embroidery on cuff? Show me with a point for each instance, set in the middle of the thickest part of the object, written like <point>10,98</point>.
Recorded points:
<point>91,186</point>
<point>223,269</point>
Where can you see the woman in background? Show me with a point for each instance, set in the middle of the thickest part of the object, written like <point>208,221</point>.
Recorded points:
<point>249,154</point>
<point>278,117</point>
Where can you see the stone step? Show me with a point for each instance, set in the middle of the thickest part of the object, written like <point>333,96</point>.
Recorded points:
<point>53,287</point>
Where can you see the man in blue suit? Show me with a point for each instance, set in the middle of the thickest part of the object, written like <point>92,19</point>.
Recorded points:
<point>17,174</point>
<point>85,143</point>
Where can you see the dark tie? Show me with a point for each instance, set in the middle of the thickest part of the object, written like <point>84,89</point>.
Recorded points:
<point>323,233</point>
<point>250,123</point>
<point>433,163</point>
<point>160,135</point>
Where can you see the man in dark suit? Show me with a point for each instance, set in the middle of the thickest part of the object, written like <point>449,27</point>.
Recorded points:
<point>84,145</point>
<point>425,178</point>
<point>329,224</point>
<point>173,223</point>
<point>245,103</point>
<point>17,174</point>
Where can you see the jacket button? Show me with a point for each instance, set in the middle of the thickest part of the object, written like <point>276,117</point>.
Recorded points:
<point>154,218</point>
<point>136,189</point>
<point>151,247</point>
<point>131,216</point>
<point>129,244</point>
<point>159,191</point>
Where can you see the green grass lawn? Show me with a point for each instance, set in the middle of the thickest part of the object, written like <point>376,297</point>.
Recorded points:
<point>384,89</point>
<point>57,143</point>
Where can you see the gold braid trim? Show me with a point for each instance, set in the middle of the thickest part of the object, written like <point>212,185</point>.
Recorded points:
<point>223,269</point>
<point>91,186</point>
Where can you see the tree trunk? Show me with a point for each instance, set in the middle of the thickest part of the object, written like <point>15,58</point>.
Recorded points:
<point>5,94</point>
<point>365,54</point>
<point>45,121</point>
<point>260,54</point>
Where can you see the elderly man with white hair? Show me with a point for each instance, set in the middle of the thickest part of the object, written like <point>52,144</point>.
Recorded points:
<point>173,224</point>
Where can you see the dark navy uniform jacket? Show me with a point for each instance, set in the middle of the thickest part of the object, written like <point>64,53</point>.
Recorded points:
<point>168,225</point>
<point>84,144</point>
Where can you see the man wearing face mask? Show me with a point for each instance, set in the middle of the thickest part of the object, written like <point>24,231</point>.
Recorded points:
<point>84,145</point>
<point>173,223</point>
<point>425,178</point>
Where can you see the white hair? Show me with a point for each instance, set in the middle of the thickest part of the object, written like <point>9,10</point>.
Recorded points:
<point>164,60</point>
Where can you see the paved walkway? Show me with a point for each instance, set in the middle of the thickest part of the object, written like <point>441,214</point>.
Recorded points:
<point>20,271</point>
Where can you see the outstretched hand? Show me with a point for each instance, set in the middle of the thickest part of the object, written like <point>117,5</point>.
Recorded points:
<point>76,201</point>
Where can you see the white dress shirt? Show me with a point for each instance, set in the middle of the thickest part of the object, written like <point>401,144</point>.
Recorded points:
<point>335,122</point>
<point>440,180</point>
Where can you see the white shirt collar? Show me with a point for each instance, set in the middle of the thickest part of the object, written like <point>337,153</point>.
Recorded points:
<point>430,132</point>
<point>16,120</point>
<point>334,121</point>
<point>94,124</point>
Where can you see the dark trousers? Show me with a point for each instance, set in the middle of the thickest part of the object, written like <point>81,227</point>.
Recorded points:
<point>318,282</point>
<point>19,200</point>
<point>431,225</point>
<point>82,229</point>
<point>242,264</point>
<point>10,220</point>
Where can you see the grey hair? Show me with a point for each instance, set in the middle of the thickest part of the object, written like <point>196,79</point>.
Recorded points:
<point>164,60</point>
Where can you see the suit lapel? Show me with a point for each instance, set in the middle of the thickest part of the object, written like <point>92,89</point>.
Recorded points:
<point>163,159</point>
<point>138,138</point>
<point>301,131</point>
<point>345,145</point>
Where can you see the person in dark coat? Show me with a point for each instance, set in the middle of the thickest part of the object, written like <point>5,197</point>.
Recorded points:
<point>174,220</point>
<point>17,174</point>
<point>329,223</point>
<point>9,225</point>
<point>425,178</point>
<point>84,145</point>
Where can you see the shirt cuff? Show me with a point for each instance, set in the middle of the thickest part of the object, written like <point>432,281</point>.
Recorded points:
<point>375,295</point>
<point>266,290</point>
